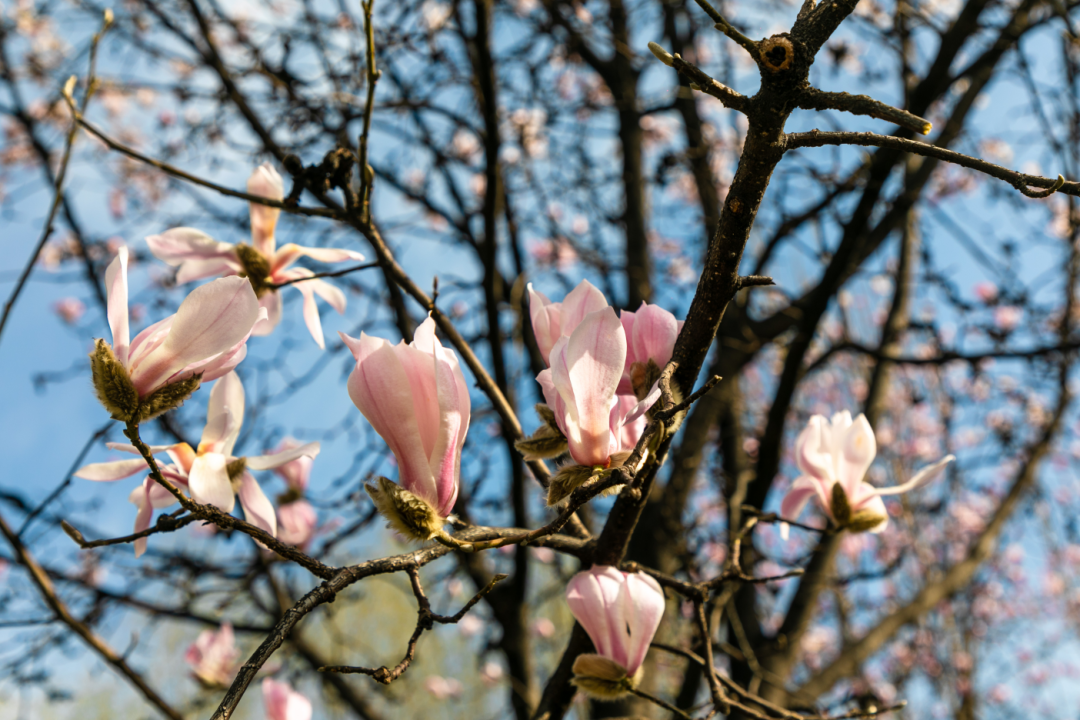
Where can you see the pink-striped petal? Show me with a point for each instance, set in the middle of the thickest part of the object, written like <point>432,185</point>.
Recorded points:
<point>212,319</point>
<point>117,311</point>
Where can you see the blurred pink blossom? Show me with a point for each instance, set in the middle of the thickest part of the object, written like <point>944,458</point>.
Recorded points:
<point>214,657</point>
<point>284,703</point>
<point>69,309</point>
<point>443,688</point>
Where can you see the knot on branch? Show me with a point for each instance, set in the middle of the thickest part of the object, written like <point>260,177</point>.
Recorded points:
<point>777,53</point>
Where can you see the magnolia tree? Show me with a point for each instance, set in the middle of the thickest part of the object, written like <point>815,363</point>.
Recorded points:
<point>687,359</point>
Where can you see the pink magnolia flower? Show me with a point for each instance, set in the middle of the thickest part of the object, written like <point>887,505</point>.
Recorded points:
<point>839,454</point>
<point>69,309</point>
<point>580,388</point>
<point>650,335</point>
<point>212,474</point>
<point>296,523</point>
<point>415,397</point>
<point>198,256</point>
<point>620,612</point>
<point>296,472</point>
<point>207,336</point>
<point>214,657</point>
<point>552,320</point>
<point>284,703</point>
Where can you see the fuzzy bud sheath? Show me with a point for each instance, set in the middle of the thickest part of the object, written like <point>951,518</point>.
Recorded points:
<point>408,514</point>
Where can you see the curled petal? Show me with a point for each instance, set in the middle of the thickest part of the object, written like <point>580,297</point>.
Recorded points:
<point>546,321</point>
<point>143,517</point>
<point>258,509</point>
<point>117,287</point>
<point>109,471</point>
<point>920,478</point>
<point>290,253</point>
<point>271,302</point>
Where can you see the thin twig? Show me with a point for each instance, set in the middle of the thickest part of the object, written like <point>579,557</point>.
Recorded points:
<point>48,592</point>
<point>165,523</point>
<point>1021,181</point>
<point>705,83</point>
<point>424,621</point>
<point>196,180</point>
<point>61,175</point>
<point>814,99</point>
<point>335,273</point>
<point>223,519</point>
<point>367,178</point>
<point>728,29</point>
<point>657,701</point>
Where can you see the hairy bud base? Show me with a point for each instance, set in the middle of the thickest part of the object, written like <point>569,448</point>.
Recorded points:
<point>602,678</point>
<point>166,398</point>
<point>408,514</point>
<point>112,383</point>
<point>256,268</point>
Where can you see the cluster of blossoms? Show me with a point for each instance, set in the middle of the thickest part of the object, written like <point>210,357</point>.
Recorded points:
<point>600,388</point>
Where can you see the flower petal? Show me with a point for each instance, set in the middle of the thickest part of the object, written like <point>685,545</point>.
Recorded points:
<point>642,601</point>
<point>581,302</point>
<point>209,482</point>
<point>265,182</point>
<point>258,510</point>
<point>269,462</point>
<point>595,357</point>
<point>919,479</point>
<point>271,302</point>
<point>109,471</point>
<point>224,416</point>
<point>212,319</point>
<point>380,388</point>
<point>546,321</point>
<point>117,287</point>
<point>857,454</point>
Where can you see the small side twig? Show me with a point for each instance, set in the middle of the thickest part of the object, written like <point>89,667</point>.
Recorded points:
<point>425,621</point>
<point>165,523</point>
<point>728,29</point>
<point>1021,181</point>
<point>65,160</point>
<point>814,99</point>
<point>335,273</point>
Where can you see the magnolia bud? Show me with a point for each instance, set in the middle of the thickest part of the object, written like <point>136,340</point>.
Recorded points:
<point>662,55</point>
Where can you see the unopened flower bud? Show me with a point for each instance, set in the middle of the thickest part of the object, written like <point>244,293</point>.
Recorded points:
<point>662,55</point>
